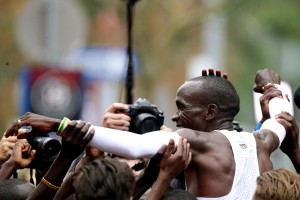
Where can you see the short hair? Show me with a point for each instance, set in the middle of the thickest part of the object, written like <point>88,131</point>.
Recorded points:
<point>219,91</point>
<point>277,185</point>
<point>178,194</point>
<point>104,178</point>
<point>17,189</point>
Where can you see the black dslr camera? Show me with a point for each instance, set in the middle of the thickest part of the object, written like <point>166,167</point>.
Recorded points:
<point>47,149</point>
<point>145,117</point>
<point>236,126</point>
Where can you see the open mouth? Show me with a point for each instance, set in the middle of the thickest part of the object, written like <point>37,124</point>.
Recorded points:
<point>179,126</point>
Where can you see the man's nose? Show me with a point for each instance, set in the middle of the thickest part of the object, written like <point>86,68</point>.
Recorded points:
<point>175,117</point>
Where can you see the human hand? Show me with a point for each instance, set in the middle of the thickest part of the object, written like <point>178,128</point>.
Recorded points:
<point>93,153</point>
<point>114,120</point>
<point>211,72</point>
<point>75,137</point>
<point>22,154</point>
<point>6,147</point>
<point>263,77</point>
<point>41,125</point>
<point>151,169</point>
<point>173,163</point>
<point>290,143</point>
<point>165,128</point>
<point>270,91</point>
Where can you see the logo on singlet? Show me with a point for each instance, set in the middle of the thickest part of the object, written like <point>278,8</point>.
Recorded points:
<point>243,146</point>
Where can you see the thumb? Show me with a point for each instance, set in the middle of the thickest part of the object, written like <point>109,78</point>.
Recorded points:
<point>170,148</point>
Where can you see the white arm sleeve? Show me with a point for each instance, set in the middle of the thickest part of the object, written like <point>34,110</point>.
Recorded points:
<point>130,145</point>
<point>276,104</point>
<point>272,125</point>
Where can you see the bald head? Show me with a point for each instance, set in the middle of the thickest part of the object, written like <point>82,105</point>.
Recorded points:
<point>213,90</point>
<point>17,189</point>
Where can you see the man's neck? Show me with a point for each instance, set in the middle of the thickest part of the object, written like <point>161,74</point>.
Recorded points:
<point>224,126</point>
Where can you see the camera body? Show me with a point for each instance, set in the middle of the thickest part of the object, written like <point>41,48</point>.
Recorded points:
<point>145,117</point>
<point>47,149</point>
<point>236,126</point>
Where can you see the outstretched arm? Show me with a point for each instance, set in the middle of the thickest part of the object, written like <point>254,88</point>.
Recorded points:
<point>41,125</point>
<point>290,145</point>
<point>128,144</point>
<point>74,140</point>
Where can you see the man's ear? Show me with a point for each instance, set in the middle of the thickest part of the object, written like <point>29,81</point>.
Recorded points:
<point>212,111</point>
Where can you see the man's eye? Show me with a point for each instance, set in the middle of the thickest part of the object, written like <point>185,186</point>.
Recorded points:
<point>183,109</point>
<point>180,107</point>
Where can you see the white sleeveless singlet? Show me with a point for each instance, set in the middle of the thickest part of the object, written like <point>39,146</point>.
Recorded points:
<point>243,145</point>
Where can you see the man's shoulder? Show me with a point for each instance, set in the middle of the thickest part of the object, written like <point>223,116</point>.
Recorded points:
<point>190,132</point>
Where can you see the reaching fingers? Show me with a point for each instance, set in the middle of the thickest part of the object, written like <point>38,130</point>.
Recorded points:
<point>76,133</point>
<point>211,72</point>
<point>188,155</point>
<point>88,138</point>
<point>165,128</point>
<point>116,106</point>
<point>11,139</point>
<point>170,148</point>
<point>116,121</point>
<point>81,130</point>
<point>68,130</point>
<point>162,150</point>
<point>13,129</point>
<point>183,150</point>
<point>287,120</point>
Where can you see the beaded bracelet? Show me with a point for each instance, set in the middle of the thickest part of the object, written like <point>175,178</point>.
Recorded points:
<point>62,126</point>
<point>49,185</point>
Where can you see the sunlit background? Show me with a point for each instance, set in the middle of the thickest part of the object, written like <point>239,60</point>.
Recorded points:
<point>173,40</point>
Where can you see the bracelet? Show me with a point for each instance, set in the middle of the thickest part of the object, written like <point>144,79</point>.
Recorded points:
<point>49,185</point>
<point>62,126</point>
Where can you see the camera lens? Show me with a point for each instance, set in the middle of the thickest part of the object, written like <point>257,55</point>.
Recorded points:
<point>46,147</point>
<point>146,122</point>
<point>51,147</point>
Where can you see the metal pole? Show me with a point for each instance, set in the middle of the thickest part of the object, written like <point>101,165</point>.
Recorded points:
<point>130,65</point>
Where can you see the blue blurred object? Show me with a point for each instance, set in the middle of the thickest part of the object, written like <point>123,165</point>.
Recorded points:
<point>50,91</point>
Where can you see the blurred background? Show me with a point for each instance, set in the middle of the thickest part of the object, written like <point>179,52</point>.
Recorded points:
<point>68,58</point>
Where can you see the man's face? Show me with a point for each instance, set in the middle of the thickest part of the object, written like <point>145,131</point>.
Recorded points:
<point>190,113</point>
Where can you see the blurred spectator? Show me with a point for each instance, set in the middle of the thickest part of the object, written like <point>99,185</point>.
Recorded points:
<point>21,157</point>
<point>104,178</point>
<point>279,184</point>
<point>6,146</point>
<point>15,189</point>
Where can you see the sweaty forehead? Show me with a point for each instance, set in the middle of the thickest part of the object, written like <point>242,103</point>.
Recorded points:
<point>189,88</point>
<point>189,91</point>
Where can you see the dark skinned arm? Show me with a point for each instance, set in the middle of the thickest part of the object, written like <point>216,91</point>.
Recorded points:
<point>290,144</point>
<point>263,77</point>
<point>149,175</point>
<point>22,155</point>
<point>41,125</point>
<point>73,144</point>
<point>171,165</point>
